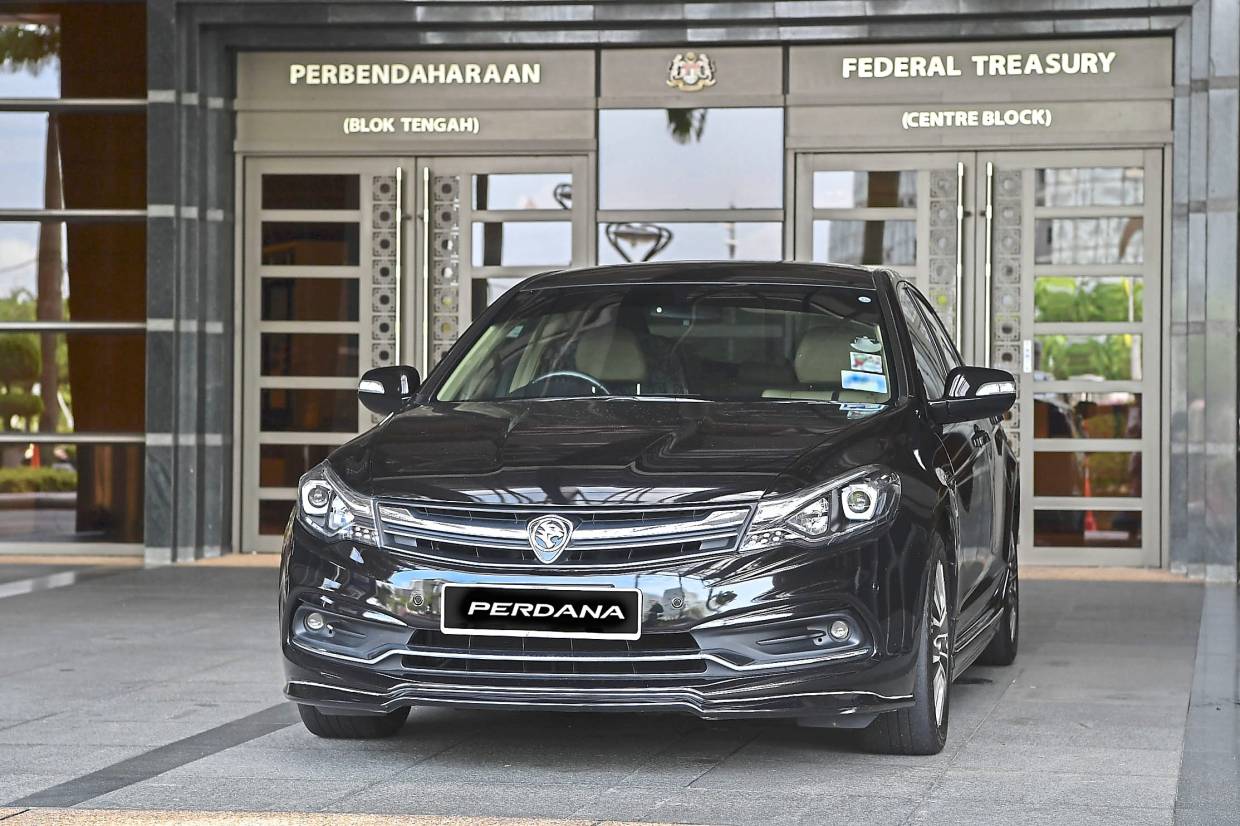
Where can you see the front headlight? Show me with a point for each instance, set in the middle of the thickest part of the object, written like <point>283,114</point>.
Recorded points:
<point>329,507</point>
<point>825,513</point>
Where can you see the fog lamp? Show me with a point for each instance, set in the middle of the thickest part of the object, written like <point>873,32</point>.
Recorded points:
<point>314,621</point>
<point>839,630</point>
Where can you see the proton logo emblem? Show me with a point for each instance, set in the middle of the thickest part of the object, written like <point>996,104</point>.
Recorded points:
<point>691,72</point>
<point>549,536</point>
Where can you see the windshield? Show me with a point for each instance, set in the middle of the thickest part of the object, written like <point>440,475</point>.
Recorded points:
<point>720,342</point>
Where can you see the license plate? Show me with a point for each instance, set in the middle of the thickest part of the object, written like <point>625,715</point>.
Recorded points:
<point>525,611</point>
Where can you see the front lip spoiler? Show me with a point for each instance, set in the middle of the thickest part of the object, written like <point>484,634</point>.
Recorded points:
<point>828,657</point>
<point>712,704</point>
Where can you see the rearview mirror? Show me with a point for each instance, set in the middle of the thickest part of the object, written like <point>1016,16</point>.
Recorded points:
<point>974,393</point>
<point>385,390</point>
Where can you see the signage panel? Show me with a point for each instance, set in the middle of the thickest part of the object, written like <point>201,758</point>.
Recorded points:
<point>436,80</point>
<point>692,76</point>
<point>1085,69</point>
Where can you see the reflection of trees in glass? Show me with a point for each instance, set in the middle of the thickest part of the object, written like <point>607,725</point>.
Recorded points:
<point>1065,298</point>
<point>1105,357</point>
<point>686,124</point>
<point>32,46</point>
<point>15,351</point>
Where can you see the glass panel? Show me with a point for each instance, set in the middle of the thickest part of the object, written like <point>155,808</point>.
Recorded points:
<point>273,515</point>
<point>281,466</point>
<point>311,191</point>
<point>1068,298</point>
<point>308,409</point>
<point>1097,529</point>
<point>60,383</point>
<point>865,242</point>
<point>310,299</point>
<point>1087,416</point>
<point>1103,473</point>
<point>691,158</point>
<point>522,190</point>
<point>310,243</point>
<point>847,189</point>
<point>522,243</point>
<point>71,493</point>
<point>684,241</point>
<point>486,291</point>
<point>1114,357</point>
<point>309,354</point>
<point>88,161</point>
<point>1090,186</point>
<point>53,271</point>
<point>34,42</point>
<point>1088,241</point>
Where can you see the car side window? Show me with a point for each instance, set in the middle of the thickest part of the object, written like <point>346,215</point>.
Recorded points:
<point>951,357</point>
<point>926,353</point>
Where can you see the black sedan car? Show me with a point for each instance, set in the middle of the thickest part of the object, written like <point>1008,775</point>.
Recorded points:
<point>737,490</point>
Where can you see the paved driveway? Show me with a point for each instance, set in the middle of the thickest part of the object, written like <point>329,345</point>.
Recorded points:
<point>160,689</point>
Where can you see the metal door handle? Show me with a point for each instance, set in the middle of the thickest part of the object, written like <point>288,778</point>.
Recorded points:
<point>959,252</point>
<point>426,271</point>
<point>400,264</point>
<point>990,177</point>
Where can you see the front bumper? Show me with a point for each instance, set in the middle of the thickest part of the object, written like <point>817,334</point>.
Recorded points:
<point>738,636</point>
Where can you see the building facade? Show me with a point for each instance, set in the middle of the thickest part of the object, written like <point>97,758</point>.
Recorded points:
<point>335,186</point>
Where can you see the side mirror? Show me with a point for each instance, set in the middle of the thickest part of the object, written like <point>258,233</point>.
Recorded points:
<point>974,393</point>
<point>385,390</point>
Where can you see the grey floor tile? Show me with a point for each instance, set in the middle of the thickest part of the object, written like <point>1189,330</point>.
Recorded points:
<point>981,754</point>
<point>939,810</point>
<point>1040,788</point>
<point>467,799</point>
<point>225,794</point>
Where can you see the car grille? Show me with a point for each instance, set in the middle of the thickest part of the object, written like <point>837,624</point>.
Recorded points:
<point>614,538</point>
<point>653,654</point>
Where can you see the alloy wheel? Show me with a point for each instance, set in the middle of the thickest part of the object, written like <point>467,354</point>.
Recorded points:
<point>940,655</point>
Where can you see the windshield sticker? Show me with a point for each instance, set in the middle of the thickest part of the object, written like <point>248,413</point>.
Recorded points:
<point>869,382</point>
<point>866,362</point>
<point>866,344</point>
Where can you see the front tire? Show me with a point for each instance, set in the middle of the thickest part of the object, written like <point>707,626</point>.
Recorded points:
<point>343,727</point>
<point>922,728</point>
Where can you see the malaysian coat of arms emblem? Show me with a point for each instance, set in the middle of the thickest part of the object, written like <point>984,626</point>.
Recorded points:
<point>691,72</point>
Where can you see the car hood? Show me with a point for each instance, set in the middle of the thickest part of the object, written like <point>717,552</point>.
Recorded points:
<point>612,452</point>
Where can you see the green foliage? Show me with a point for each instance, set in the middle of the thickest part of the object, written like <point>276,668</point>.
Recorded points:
<point>29,46</point>
<point>1108,356</point>
<point>37,479</point>
<point>19,403</point>
<point>20,362</point>
<point>1066,298</point>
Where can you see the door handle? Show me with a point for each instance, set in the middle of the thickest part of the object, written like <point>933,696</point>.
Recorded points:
<point>426,271</point>
<point>986,289</point>
<point>959,253</point>
<point>400,264</point>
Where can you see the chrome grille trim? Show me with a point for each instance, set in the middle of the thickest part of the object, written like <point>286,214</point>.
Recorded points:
<point>623,537</point>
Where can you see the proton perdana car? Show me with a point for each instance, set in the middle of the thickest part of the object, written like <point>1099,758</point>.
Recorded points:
<point>738,490</point>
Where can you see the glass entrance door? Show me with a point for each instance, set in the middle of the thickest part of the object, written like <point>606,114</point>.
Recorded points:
<point>1071,258</point>
<point>336,268</point>
<point>1047,264</point>
<point>494,222</point>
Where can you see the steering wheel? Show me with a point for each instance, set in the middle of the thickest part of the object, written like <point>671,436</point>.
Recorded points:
<point>573,374</point>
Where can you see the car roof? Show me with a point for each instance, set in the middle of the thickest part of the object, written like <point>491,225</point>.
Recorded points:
<point>709,272</point>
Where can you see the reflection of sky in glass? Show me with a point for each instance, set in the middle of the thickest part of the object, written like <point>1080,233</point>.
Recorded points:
<point>522,191</point>
<point>846,189</point>
<point>24,138</point>
<point>19,249</point>
<point>23,83</point>
<point>743,241</point>
<point>525,244</point>
<point>845,242</point>
<point>737,161</point>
